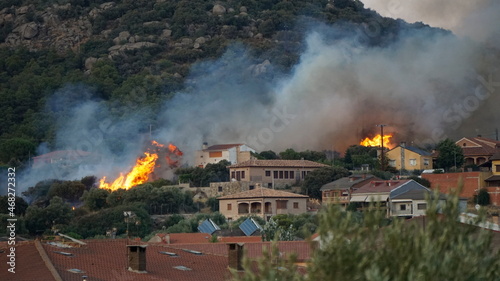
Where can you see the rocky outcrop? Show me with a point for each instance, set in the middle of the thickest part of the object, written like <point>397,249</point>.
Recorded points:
<point>218,10</point>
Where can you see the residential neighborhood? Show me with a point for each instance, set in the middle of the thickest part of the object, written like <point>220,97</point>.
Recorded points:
<point>248,140</point>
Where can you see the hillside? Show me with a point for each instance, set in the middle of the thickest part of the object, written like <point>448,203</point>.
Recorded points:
<point>135,55</point>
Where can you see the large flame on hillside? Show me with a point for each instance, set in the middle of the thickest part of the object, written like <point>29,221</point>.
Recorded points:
<point>376,140</point>
<point>145,166</point>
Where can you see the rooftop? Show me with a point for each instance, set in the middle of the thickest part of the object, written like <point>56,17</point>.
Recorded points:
<point>478,146</point>
<point>279,163</point>
<point>348,182</point>
<point>262,193</point>
<point>380,186</point>
<point>223,146</point>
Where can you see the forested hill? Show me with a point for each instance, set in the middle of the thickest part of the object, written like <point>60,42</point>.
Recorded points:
<point>122,49</point>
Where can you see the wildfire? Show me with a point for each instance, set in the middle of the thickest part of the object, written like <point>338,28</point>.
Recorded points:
<point>145,166</point>
<point>375,141</point>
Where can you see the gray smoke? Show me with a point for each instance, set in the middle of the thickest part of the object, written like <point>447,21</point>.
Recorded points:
<point>425,86</point>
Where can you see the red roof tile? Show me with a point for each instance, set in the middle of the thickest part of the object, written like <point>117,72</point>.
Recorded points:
<point>29,264</point>
<point>478,146</point>
<point>239,239</point>
<point>279,163</point>
<point>185,238</point>
<point>262,193</point>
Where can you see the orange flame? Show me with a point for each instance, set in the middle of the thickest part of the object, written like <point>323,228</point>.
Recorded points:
<point>143,168</point>
<point>375,141</point>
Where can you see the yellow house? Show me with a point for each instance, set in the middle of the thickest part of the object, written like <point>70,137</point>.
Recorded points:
<point>409,158</point>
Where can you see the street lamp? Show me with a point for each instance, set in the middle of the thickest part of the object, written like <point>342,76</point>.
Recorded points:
<point>382,145</point>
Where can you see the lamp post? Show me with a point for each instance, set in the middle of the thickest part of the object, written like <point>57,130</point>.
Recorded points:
<point>382,145</point>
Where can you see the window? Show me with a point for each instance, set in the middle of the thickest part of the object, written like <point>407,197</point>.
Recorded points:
<point>281,204</point>
<point>303,174</point>
<point>242,174</point>
<point>233,175</point>
<point>392,163</point>
<point>238,175</point>
<point>413,162</point>
<point>215,154</point>
<point>229,207</point>
<point>402,207</point>
<point>426,161</point>
<point>286,174</point>
<point>275,174</point>
<point>292,174</point>
<point>268,173</point>
<point>251,187</point>
<point>422,206</point>
<point>270,185</point>
<point>281,174</point>
<point>497,168</point>
<point>295,205</point>
<point>220,188</point>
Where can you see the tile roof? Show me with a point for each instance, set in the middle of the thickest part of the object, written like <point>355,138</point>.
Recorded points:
<point>29,264</point>
<point>106,260</point>
<point>279,163</point>
<point>348,182</point>
<point>254,250</point>
<point>239,239</point>
<point>223,146</point>
<point>262,193</point>
<point>380,186</point>
<point>183,238</point>
<point>481,146</point>
<point>418,150</point>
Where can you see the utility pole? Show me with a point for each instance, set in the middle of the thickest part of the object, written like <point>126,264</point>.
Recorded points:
<point>382,145</point>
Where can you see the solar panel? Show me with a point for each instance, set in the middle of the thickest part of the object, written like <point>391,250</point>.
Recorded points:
<point>249,226</point>
<point>208,226</point>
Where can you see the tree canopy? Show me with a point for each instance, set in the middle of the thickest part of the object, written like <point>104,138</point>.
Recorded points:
<point>449,155</point>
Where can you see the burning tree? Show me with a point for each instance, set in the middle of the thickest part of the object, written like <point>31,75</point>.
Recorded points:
<point>145,166</point>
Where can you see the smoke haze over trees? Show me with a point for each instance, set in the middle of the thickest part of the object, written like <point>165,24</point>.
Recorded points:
<point>317,77</point>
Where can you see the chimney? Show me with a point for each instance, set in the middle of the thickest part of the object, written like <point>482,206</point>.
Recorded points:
<point>204,146</point>
<point>403,144</point>
<point>137,258</point>
<point>235,255</point>
<point>167,238</point>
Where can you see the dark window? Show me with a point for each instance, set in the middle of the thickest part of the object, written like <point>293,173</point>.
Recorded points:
<point>286,174</point>
<point>270,184</point>
<point>292,174</point>
<point>497,167</point>
<point>229,207</point>
<point>281,174</point>
<point>220,188</point>
<point>242,174</point>
<point>268,173</point>
<point>238,175</point>
<point>233,175</point>
<point>275,174</point>
<point>295,205</point>
<point>251,187</point>
<point>402,207</point>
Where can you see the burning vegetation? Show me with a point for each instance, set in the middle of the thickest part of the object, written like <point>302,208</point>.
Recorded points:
<point>157,155</point>
<point>376,141</point>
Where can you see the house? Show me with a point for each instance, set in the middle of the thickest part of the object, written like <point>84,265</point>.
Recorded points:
<point>380,191</point>
<point>122,259</point>
<point>234,153</point>
<point>477,150</point>
<point>404,157</point>
<point>273,173</point>
<point>262,202</point>
<point>340,191</point>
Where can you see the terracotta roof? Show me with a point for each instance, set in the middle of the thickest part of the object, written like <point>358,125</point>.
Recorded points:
<point>262,193</point>
<point>481,146</point>
<point>29,264</point>
<point>240,239</point>
<point>496,155</point>
<point>279,163</point>
<point>223,146</point>
<point>380,186</point>
<point>107,260</point>
<point>184,238</point>
<point>254,249</point>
